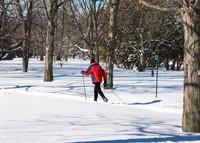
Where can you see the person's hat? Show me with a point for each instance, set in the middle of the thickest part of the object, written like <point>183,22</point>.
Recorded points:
<point>92,61</point>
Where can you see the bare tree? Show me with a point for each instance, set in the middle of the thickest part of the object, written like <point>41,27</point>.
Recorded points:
<point>3,29</point>
<point>86,15</point>
<point>9,24</point>
<point>25,14</point>
<point>50,9</point>
<point>111,42</point>
<point>189,9</point>
<point>67,35</point>
<point>38,31</point>
<point>191,110</point>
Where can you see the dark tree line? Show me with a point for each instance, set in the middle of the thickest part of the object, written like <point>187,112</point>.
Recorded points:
<point>140,32</point>
<point>143,31</point>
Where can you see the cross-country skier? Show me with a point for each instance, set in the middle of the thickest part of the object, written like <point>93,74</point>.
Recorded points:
<point>96,75</point>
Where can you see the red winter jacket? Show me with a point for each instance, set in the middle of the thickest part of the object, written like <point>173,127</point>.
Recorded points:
<point>96,73</point>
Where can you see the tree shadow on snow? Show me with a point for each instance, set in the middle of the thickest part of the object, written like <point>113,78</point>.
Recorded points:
<point>138,127</point>
<point>147,103</point>
<point>27,87</point>
<point>142,140</point>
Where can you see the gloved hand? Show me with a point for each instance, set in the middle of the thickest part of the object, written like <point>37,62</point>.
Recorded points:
<point>82,71</point>
<point>105,83</point>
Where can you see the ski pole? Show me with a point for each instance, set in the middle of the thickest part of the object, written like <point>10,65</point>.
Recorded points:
<point>119,97</point>
<point>84,87</point>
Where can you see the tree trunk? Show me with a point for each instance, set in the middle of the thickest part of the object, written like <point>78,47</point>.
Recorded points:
<point>178,65</point>
<point>48,76</point>
<point>92,56</point>
<point>25,47</point>
<point>109,68</point>
<point>50,9</point>
<point>167,64</point>
<point>142,56</point>
<point>191,102</point>
<point>25,50</point>
<point>41,57</point>
<point>152,65</point>
<point>173,65</point>
<point>95,35</point>
<point>191,107</point>
<point>26,26</point>
<point>111,42</point>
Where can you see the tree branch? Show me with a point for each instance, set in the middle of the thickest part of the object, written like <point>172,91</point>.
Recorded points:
<point>45,9</point>
<point>150,5</point>
<point>74,20</point>
<point>19,8</point>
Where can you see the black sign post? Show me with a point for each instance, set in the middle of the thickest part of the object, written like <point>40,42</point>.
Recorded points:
<point>156,58</point>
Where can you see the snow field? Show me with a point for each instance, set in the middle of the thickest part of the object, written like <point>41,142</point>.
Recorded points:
<point>33,111</point>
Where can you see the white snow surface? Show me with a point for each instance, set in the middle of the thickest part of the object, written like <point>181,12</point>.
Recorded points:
<point>34,111</point>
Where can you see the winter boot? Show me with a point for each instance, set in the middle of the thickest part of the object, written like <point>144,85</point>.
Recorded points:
<point>105,99</point>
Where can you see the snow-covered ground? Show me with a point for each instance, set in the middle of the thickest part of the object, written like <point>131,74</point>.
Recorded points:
<point>33,111</point>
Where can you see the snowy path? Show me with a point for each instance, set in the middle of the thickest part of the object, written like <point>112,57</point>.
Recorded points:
<point>32,111</point>
<point>40,119</point>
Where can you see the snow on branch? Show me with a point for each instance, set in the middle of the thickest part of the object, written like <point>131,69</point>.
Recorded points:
<point>13,47</point>
<point>84,50</point>
<point>16,44</point>
<point>19,48</point>
<point>150,5</point>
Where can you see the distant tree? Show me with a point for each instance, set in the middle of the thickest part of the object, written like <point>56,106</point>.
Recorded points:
<point>38,31</point>
<point>67,35</point>
<point>86,15</point>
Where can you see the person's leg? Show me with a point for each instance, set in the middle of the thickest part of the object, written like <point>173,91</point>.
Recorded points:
<point>98,89</point>
<point>95,93</point>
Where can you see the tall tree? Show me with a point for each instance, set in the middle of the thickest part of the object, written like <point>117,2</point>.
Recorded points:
<point>25,14</point>
<point>50,10</point>
<point>190,12</point>
<point>111,41</point>
<point>191,23</point>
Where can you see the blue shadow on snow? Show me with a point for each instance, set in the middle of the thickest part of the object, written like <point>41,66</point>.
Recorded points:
<point>152,102</point>
<point>148,140</point>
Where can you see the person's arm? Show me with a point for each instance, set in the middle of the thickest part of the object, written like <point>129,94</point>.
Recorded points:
<point>105,78</point>
<point>88,71</point>
<point>104,75</point>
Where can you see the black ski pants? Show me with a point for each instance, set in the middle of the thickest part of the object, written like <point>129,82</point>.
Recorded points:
<point>97,90</point>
